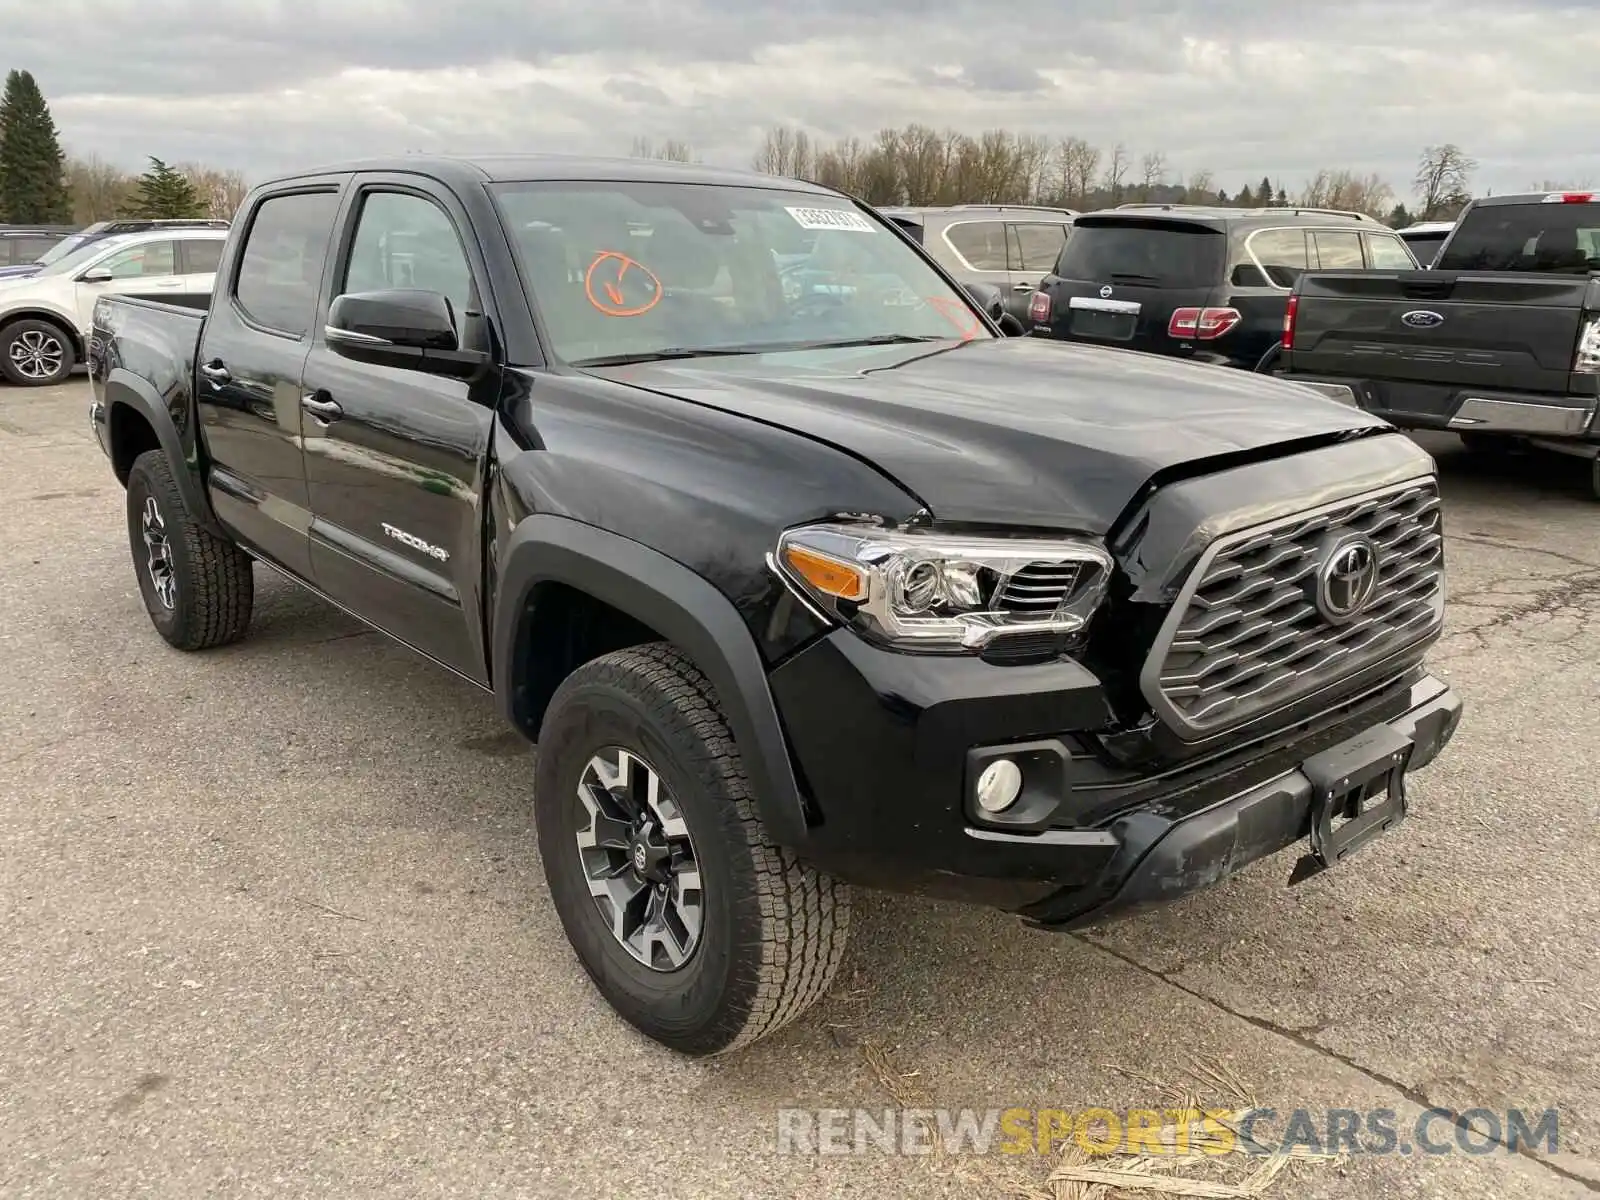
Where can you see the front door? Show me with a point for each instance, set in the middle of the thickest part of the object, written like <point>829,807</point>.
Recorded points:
<point>395,458</point>
<point>149,268</point>
<point>248,374</point>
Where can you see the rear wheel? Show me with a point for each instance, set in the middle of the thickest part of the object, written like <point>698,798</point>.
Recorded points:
<point>35,353</point>
<point>693,925</point>
<point>197,587</point>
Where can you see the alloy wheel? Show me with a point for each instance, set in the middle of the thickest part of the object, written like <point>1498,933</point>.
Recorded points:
<point>158,554</point>
<point>36,354</point>
<point>638,860</point>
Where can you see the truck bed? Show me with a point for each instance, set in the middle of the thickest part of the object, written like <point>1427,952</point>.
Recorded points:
<point>154,338</point>
<point>1450,349</point>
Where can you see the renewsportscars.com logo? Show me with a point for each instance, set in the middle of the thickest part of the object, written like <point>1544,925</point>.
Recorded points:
<point>1151,1131</point>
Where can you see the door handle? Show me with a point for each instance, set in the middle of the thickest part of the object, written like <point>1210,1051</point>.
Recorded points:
<point>170,283</point>
<point>323,410</point>
<point>1024,287</point>
<point>215,372</point>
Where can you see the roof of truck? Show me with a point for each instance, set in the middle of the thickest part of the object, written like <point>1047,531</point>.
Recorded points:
<point>467,170</point>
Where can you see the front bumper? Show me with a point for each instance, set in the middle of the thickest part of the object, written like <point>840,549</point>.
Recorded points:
<point>888,746</point>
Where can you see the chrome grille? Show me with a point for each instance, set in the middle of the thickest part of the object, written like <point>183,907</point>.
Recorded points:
<point>1246,634</point>
<point>1038,589</point>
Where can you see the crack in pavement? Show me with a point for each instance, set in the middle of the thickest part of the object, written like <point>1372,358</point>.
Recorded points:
<point>1472,539</point>
<point>1575,590</point>
<point>1301,1038</point>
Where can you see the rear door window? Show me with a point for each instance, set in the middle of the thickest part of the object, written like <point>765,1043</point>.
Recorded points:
<point>1281,253</point>
<point>1039,245</point>
<point>1168,254</point>
<point>1387,253</point>
<point>981,243</point>
<point>280,270</point>
<point>1557,239</point>
<point>1337,250</point>
<point>201,256</point>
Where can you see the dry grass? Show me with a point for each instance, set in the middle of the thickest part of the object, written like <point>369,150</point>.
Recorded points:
<point>1207,1161</point>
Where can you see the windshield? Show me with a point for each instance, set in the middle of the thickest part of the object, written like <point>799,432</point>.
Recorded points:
<point>1172,254</point>
<point>631,270</point>
<point>67,263</point>
<point>65,247</point>
<point>1556,239</point>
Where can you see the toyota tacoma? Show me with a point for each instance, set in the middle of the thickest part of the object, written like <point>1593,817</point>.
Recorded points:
<point>798,579</point>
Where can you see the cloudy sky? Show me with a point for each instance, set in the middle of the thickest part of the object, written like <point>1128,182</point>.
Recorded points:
<point>1237,86</point>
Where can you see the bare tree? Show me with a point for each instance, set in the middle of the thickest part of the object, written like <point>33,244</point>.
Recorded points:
<point>670,150</point>
<point>1347,190</point>
<point>1116,172</point>
<point>1444,174</point>
<point>1078,163</point>
<point>921,164</point>
<point>220,191</point>
<point>1152,173</point>
<point>1569,185</point>
<point>99,190</point>
<point>1201,188</point>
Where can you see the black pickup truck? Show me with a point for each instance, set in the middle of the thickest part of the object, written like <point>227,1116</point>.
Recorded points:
<point>1499,343</point>
<point>797,579</point>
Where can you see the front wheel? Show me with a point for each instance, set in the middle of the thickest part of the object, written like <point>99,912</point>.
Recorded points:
<point>35,353</point>
<point>695,927</point>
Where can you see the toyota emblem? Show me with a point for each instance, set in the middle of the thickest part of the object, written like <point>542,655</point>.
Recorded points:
<point>1105,292</point>
<point>1347,579</point>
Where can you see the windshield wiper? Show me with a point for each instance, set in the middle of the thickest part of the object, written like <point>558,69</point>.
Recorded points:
<point>663,355</point>
<point>1135,275</point>
<point>676,352</point>
<point>877,339</point>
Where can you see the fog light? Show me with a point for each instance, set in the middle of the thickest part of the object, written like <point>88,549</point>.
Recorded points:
<point>999,785</point>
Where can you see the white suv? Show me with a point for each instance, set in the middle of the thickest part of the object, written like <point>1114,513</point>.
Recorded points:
<point>45,319</point>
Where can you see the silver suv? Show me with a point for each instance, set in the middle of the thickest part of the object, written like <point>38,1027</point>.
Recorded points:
<point>1008,246</point>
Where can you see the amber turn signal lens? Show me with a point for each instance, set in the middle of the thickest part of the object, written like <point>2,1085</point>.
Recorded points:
<point>830,576</point>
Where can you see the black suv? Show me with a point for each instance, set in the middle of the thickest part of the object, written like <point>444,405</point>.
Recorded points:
<point>25,243</point>
<point>1210,284</point>
<point>1010,247</point>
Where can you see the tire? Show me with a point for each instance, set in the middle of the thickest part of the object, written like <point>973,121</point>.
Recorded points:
<point>772,930</point>
<point>197,587</point>
<point>35,353</point>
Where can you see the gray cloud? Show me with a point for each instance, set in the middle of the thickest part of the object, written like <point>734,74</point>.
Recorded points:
<point>262,85</point>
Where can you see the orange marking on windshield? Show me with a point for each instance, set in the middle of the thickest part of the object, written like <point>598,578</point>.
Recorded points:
<point>622,276</point>
<point>959,315</point>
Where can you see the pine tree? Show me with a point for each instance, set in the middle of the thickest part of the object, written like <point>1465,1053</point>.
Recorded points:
<point>1264,195</point>
<point>1244,199</point>
<point>1283,199</point>
<point>165,194</point>
<point>32,188</point>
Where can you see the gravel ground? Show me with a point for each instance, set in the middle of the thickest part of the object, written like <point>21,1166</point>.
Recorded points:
<point>272,919</point>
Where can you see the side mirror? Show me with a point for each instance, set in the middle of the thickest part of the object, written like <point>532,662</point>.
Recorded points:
<point>96,275</point>
<point>414,330</point>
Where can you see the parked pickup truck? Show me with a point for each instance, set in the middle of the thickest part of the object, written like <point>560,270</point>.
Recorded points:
<point>793,589</point>
<point>1500,342</point>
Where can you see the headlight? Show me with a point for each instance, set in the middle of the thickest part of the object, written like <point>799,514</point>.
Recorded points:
<point>916,590</point>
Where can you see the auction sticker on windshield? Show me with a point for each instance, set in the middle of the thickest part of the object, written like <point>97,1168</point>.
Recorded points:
<point>830,218</point>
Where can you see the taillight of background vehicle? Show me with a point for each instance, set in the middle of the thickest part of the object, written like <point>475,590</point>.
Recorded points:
<point>1202,324</point>
<point>1287,340</point>
<point>1586,359</point>
<point>1039,308</point>
<point>1569,198</point>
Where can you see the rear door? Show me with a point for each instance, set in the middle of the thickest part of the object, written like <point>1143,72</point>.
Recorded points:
<point>1120,279</point>
<point>198,259</point>
<point>251,355</point>
<point>1034,248</point>
<point>982,252</point>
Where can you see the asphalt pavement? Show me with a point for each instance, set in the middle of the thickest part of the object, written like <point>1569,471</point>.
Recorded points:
<point>272,920</point>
